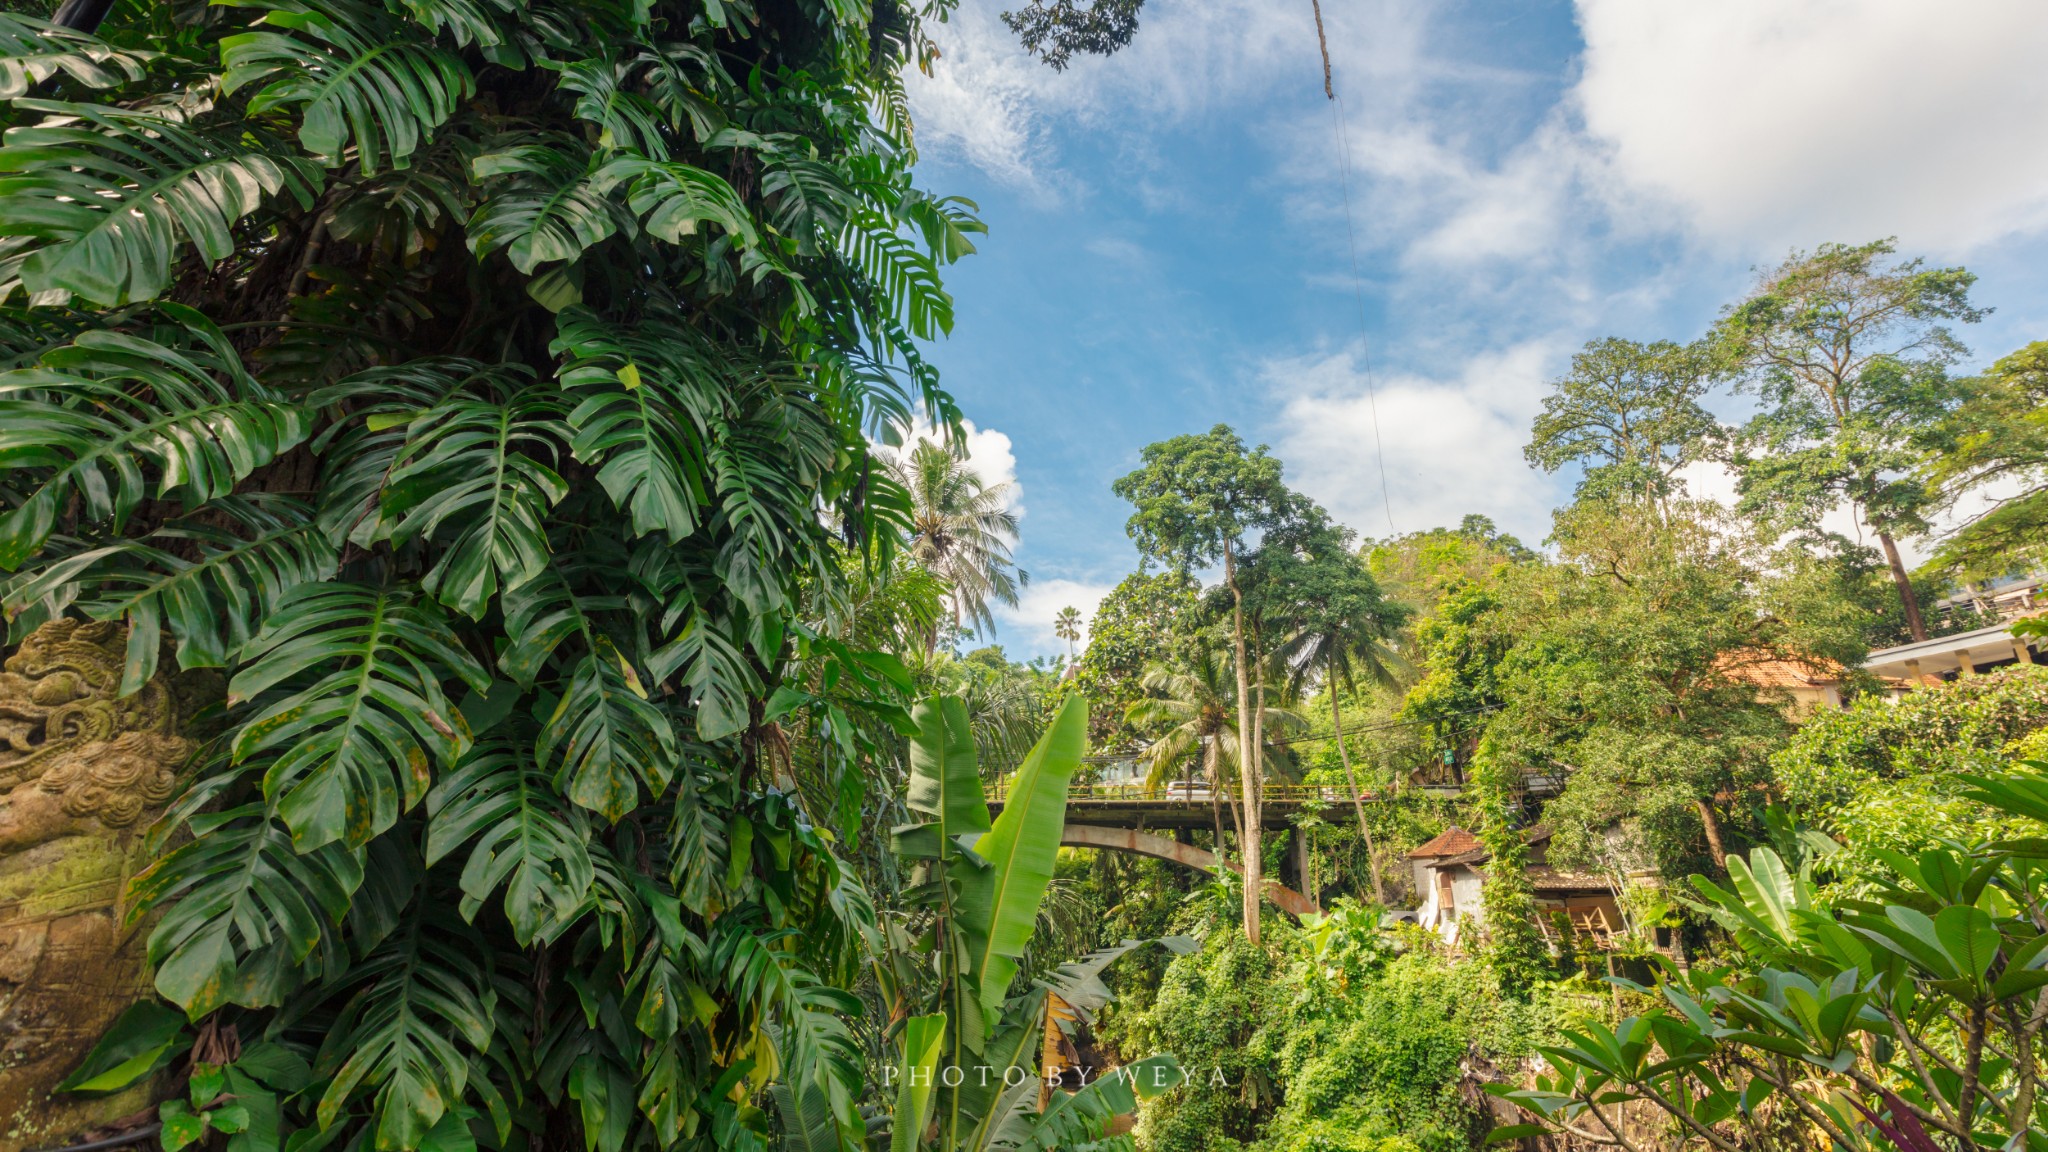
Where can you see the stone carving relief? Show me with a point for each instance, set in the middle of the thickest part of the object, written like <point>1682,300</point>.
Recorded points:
<point>82,773</point>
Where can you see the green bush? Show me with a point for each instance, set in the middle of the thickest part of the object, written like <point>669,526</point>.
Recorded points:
<point>1336,1037</point>
<point>1886,774</point>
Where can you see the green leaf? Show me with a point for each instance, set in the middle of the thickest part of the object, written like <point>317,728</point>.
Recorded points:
<point>944,780</point>
<point>205,1084</point>
<point>648,394</point>
<point>32,51</point>
<point>275,1065</point>
<point>142,1039</point>
<point>542,205</point>
<point>607,737</point>
<point>916,1079</point>
<point>720,679</point>
<point>521,837</point>
<point>906,278</point>
<point>366,86</point>
<point>210,586</point>
<point>998,905</point>
<point>114,196</point>
<point>674,198</point>
<point>1970,937</point>
<point>475,465</point>
<point>101,413</point>
<point>421,1007</point>
<point>181,1126</point>
<point>242,912</point>
<point>352,715</point>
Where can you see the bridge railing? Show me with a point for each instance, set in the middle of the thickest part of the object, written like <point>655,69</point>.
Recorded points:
<point>1137,792</point>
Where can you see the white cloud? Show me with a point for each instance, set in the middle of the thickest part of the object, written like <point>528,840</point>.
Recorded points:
<point>1027,629</point>
<point>990,104</point>
<point>989,456</point>
<point>1452,446</point>
<point>1770,123</point>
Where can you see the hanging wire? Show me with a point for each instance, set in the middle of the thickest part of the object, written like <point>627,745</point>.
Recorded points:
<point>1357,280</point>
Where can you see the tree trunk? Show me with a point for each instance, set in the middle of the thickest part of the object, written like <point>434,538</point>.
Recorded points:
<point>1247,756</point>
<point>1372,866</point>
<point>1904,584</point>
<point>1713,826</point>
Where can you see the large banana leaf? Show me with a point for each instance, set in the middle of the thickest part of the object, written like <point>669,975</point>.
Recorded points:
<point>352,715</point>
<point>916,1079</point>
<point>999,904</point>
<point>114,195</point>
<point>945,782</point>
<point>356,76</point>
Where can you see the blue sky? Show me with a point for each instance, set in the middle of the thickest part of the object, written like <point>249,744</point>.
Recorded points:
<point>1168,249</point>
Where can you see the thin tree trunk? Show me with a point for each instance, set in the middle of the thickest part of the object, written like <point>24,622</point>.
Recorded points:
<point>1209,760</point>
<point>1904,584</point>
<point>1247,755</point>
<point>1372,866</point>
<point>1712,824</point>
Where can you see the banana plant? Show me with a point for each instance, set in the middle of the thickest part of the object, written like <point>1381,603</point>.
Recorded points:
<point>967,1077</point>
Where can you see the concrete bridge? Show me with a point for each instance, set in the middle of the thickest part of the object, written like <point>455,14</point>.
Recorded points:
<point>1161,848</point>
<point>1121,817</point>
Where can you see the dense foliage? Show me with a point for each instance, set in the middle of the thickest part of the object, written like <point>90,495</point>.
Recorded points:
<point>486,391</point>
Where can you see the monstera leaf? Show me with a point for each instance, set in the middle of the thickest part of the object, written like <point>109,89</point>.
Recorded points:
<point>475,469</point>
<point>522,837</point>
<point>243,911</point>
<point>32,51</point>
<point>112,197</point>
<point>366,87</point>
<point>350,712</point>
<point>102,413</point>
<point>211,586</point>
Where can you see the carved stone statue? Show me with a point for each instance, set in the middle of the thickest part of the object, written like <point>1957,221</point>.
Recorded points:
<point>82,772</point>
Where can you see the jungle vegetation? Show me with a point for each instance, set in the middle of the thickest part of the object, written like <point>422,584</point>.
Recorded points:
<point>508,413</point>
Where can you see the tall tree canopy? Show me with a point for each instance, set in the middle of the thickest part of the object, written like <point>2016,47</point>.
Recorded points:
<point>1848,351</point>
<point>485,390</point>
<point>1200,499</point>
<point>1997,439</point>
<point>1628,413</point>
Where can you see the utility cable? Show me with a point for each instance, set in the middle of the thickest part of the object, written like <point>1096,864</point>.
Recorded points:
<point>1372,402</point>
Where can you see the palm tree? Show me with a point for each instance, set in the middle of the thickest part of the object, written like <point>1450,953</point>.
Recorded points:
<point>1340,648</point>
<point>1067,626</point>
<point>1195,704</point>
<point>962,529</point>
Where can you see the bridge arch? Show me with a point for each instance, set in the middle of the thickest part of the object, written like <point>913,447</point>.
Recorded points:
<point>1161,848</point>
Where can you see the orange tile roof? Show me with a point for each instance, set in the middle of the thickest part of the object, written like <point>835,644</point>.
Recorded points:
<point>1454,841</point>
<point>1765,669</point>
